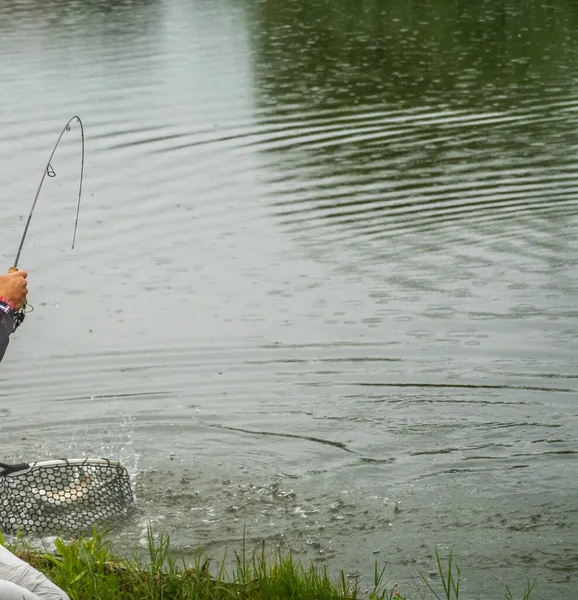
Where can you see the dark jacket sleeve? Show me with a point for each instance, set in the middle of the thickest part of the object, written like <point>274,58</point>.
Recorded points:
<point>6,325</point>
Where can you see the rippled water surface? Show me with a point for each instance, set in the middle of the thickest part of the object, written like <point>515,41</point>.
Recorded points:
<point>327,262</point>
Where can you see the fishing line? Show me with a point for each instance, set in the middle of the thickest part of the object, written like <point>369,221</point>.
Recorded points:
<point>50,172</point>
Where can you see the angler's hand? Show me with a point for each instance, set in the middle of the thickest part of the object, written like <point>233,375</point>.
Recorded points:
<point>14,287</point>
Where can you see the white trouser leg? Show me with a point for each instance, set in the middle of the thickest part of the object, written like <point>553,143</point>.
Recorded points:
<point>16,571</point>
<point>11,591</point>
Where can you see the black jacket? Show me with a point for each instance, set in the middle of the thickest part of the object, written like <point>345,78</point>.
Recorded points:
<point>6,326</point>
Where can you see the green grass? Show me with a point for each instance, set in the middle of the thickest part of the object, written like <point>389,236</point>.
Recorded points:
<point>87,570</point>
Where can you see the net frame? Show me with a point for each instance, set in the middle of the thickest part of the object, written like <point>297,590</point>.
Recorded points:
<point>64,496</point>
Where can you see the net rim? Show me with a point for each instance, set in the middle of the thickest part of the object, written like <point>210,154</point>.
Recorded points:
<point>69,462</point>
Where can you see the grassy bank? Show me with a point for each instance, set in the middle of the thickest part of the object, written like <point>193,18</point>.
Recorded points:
<point>87,570</point>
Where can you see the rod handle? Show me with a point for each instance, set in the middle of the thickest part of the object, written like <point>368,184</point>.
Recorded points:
<point>14,270</point>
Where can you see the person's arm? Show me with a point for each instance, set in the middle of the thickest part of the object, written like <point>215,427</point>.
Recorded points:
<point>6,325</point>
<point>13,291</point>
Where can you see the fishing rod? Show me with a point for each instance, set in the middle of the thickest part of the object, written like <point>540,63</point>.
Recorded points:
<point>44,497</point>
<point>49,170</point>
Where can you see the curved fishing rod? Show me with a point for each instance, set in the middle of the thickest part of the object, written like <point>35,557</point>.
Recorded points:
<point>49,170</point>
<point>51,173</point>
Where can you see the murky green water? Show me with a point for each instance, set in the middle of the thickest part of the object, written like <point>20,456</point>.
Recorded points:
<point>327,262</point>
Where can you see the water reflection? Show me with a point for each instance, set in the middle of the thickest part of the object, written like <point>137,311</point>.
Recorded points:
<point>55,21</point>
<point>417,114</point>
<point>321,54</point>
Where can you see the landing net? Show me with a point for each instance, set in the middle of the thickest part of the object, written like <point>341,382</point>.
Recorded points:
<point>67,495</point>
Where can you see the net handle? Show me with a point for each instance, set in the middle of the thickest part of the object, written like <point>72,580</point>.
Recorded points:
<point>7,469</point>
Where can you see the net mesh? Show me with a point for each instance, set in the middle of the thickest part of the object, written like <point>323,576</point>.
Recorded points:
<point>64,496</point>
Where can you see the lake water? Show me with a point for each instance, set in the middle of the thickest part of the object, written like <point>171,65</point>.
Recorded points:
<point>327,262</point>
